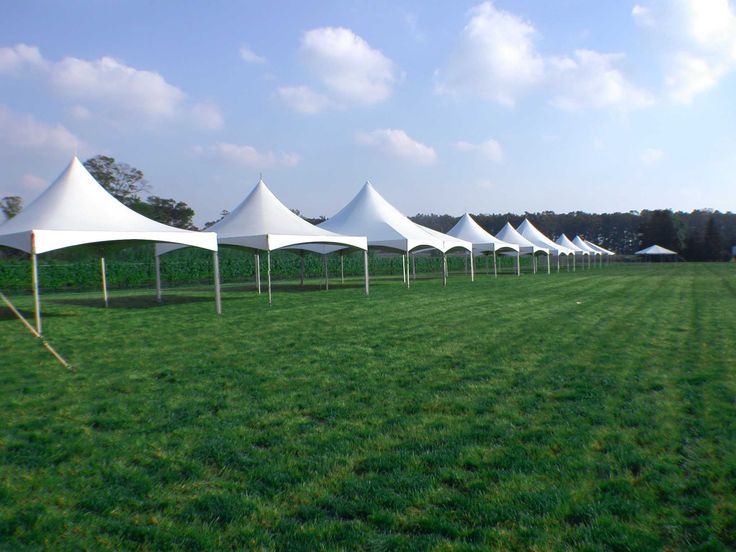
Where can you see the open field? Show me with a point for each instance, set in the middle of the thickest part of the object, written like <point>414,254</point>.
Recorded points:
<point>593,410</point>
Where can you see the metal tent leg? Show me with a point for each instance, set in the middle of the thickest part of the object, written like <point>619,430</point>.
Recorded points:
<point>518,263</point>
<point>157,266</point>
<point>268,273</point>
<point>365,272</point>
<point>258,271</point>
<point>104,280</point>
<point>36,294</point>
<point>216,270</point>
<point>472,268</point>
<point>444,269</point>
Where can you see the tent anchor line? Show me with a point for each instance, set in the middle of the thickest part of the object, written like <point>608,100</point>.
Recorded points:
<point>34,332</point>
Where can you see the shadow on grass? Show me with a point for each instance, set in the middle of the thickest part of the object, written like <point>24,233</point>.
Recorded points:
<point>131,301</point>
<point>5,314</point>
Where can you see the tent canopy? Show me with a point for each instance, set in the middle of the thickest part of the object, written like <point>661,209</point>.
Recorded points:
<point>467,229</point>
<point>534,235</point>
<point>262,222</point>
<point>565,241</point>
<point>656,250</point>
<point>598,248</point>
<point>580,242</point>
<point>369,214</point>
<point>509,234</point>
<point>76,210</point>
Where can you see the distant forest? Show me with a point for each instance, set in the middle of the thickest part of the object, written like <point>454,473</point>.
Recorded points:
<point>701,235</point>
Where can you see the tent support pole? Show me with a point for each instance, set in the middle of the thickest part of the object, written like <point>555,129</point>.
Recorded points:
<point>518,263</point>
<point>472,267</point>
<point>268,273</point>
<point>548,269</point>
<point>403,267</point>
<point>534,263</point>
<point>104,280</point>
<point>327,275</point>
<point>258,271</point>
<point>558,262</point>
<point>406,272</point>
<point>495,265</point>
<point>301,269</point>
<point>342,268</point>
<point>444,269</point>
<point>216,270</point>
<point>36,294</point>
<point>365,271</point>
<point>414,266</point>
<point>157,267</point>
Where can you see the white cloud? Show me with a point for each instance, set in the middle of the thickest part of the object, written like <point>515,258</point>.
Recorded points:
<point>496,58</point>
<point>24,131</point>
<point>249,56</point>
<point>699,37</point>
<point>111,88</point>
<point>398,143</point>
<point>347,65</point>
<point>207,115</point>
<point>247,155</point>
<point>303,99</point>
<point>651,156</point>
<point>20,56</point>
<point>591,79</point>
<point>33,183</point>
<point>490,149</point>
<point>80,112</point>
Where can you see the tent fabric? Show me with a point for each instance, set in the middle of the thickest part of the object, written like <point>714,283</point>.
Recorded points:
<point>262,222</point>
<point>580,242</point>
<point>448,242</point>
<point>369,214</point>
<point>565,241</point>
<point>509,234</point>
<point>601,250</point>
<point>467,229</point>
<point>76,210</point>
<point>656,250</point>
<point>534,235</point>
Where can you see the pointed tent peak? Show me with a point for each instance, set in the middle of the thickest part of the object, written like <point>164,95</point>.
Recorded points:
<point>656,250</point>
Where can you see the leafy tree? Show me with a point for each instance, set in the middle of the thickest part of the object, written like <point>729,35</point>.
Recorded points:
<point>11,206</point>
<point>124,182</point>
<point>658,227</point>
<point>223,214</point>
<point>167,211</point>
<point>712,244</point>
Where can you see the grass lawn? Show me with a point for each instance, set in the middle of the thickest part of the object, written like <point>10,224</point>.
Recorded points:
<point>593,410</point>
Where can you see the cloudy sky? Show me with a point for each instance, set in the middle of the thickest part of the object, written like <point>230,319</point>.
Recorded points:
<point>519,105</point>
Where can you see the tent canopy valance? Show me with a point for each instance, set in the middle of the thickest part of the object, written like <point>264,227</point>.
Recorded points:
<point>483,242</point>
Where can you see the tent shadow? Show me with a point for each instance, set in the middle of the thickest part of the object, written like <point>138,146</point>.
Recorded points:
<point>6,314</point>
<point>132,302</point>
<point>288,288</point>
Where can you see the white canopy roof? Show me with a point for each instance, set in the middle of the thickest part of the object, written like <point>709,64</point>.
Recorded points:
<point>76,210</point>
<point>369,214</point>
<point>565,241</point>
<point>467,229</point>
<point>534,235</point>
<point>262,222</point>
<point>509,234</point>
<point>655,250</point>
<point>580,242</point>
<point>601,250</point>
<point>448,242</point>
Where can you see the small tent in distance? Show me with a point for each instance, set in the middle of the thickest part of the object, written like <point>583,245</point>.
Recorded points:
<point>509,234</point>
<point>484,243</point>
<point>76,210</point>
<point>659,253</point>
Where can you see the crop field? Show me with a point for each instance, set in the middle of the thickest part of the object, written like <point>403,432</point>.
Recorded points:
<point>592,410</point>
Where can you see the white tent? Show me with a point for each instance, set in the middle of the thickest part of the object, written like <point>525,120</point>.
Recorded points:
<point>656,250</point>
<point>509,234</point>
<point>261,222</point>
<point>76,210</point>
<point>483,242</point>
<point>602,250</point>
<point>580,242</point>
<point>578,252</point>
<point>387,229</point>
<point>534,235</point>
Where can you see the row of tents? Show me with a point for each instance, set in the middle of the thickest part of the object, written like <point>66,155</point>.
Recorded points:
<point>76,210</point>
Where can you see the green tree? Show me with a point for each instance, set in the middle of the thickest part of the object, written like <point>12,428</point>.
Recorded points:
<point>167,211</point>
<point>11,206</point>
<point>124,182</point>
<point>712,243</point>
<point>658,227</point>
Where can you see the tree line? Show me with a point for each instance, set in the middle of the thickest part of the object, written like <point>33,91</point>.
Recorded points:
<point>700,235</point>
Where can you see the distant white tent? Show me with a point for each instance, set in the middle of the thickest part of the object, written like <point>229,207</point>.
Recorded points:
<point>262,223</point>
<point>656,250</point>
<point>76,210</point>
<point>369,214</point>
<point>580,242</point>
<point>605,253</point>
<point>483,242</point>
<point>509,234</point>
<point>577,252</point>
<point>534,235</point>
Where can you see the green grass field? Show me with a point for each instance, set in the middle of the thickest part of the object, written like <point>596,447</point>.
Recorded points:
<point>588,411</point>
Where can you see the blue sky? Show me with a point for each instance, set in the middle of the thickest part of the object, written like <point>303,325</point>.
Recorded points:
<point>445,106</point>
